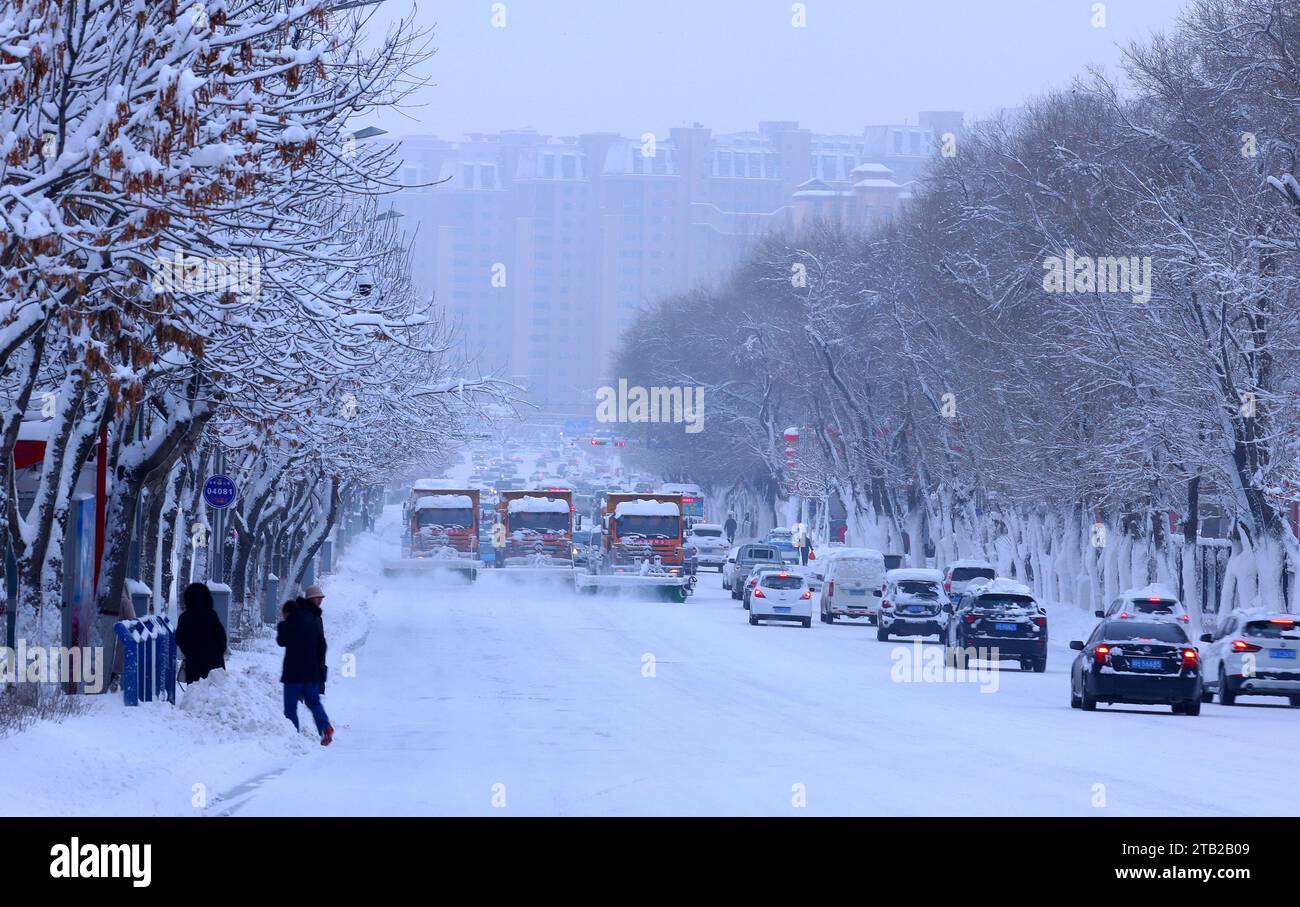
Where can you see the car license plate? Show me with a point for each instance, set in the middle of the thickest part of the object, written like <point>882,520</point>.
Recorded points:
<point>782,609</point>
<point>1146,664</point>
<point>857,592</point>
<point>1282,653</point>
<point>1005,628</point>
<point>916,609</point>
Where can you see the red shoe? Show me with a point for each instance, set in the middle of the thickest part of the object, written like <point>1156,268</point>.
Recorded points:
<point>328,737</point>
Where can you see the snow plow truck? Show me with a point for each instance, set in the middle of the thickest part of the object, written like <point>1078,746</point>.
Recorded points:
<point>534,533</point>
<point>440,532</point>
<point>642,547</point>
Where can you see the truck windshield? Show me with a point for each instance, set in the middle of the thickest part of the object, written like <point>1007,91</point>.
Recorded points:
<point>446,519</point>
<point>648,526</point>
<point>540,522</point>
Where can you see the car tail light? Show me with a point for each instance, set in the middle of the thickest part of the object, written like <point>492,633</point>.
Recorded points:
<point>1041,621</point>
<point>594,442</point>
<point>1190,658</point>
<point>1283,622</point>
<point>830,588</point>
<point>1101,655</point>
<point>971,618</point>
<point>758,593</point>
<point>1240,645</point>
<point>885,603</point>
<point>783,575</point>
<point>947,585</point>
<point>1185,618</point>
<point>1123,614</point>
<point>807,593</point>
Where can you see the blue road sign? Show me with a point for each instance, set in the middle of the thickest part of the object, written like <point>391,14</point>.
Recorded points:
<point>219,491</point>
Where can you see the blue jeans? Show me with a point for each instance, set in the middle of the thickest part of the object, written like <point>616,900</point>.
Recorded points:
<point>310,693</point>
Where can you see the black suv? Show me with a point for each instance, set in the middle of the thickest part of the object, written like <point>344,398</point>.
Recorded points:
<point>1001,614</point>
<point>1143,661</point>
<point>748,557</point>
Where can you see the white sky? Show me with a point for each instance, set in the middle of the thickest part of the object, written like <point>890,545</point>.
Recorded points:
<point>632,66</point>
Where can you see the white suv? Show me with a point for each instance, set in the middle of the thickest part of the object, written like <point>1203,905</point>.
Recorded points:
<point>710,544</point>
<point>1254,653</point>
<point>961,574</point>
<point>1153,602</point>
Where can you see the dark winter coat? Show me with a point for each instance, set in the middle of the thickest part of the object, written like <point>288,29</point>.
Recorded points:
<point>729,527</point>
<point>200,635</point>
<point>302,633</point>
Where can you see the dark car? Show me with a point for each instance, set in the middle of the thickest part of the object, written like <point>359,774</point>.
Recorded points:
<point>1139,661</point>
<point>585,541</point>
<point>1001,614</point>
<point>748,556</point>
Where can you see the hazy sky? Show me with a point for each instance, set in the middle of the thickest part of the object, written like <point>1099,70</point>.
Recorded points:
<point>632,66</point>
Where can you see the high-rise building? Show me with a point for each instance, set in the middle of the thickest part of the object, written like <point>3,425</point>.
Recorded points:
<point>543,248</point>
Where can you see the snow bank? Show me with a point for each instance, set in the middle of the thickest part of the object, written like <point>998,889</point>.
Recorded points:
<point>444,502</point>
<point>225,731</point>
<point>242,700</point>
<point>537,505</point>
<point>646,508</point>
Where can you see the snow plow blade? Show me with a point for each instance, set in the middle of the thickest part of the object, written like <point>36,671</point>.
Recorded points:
<point>673,588</point>
<point>449,567</point>
<point>560,576</point>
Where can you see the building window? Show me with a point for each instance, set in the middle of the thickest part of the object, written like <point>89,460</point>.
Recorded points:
<point>548,166</point>
<point>569,166</point>
<point>916,142</point>
<point>898,143</point>
<point>467,174</point>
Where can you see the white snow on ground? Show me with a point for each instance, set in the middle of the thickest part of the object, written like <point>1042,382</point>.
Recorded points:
<point>553,703</point>
<point>115,760</point>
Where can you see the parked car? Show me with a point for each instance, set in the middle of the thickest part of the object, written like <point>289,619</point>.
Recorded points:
<point>853,582</point>
<point>742,560</point>
<point>1001,614</point>
<point>1253,654</point>
<point>1140,661</point>
<point>960,574</point>
<point>1153,602</point>
<point>781,595</point>
<point>913,604</point>
<point>710,544</point>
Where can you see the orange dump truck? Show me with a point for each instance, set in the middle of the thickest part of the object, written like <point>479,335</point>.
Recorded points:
<point>440,531</point>
<point>536,530</point>
<point>642,546</point>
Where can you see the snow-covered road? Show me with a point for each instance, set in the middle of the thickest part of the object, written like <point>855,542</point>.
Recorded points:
<point>524,700</point>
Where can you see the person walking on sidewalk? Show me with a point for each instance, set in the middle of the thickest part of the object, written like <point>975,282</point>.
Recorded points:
<point>302,634</point>
<point>200,635</point>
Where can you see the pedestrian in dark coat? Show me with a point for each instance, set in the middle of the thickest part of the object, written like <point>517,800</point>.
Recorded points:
<point>302,634</point>
<point>729,527</point>
<point>199,634</point>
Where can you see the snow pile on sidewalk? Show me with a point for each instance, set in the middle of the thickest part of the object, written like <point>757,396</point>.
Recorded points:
<point>156,759</point>
<point>246,700</point>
